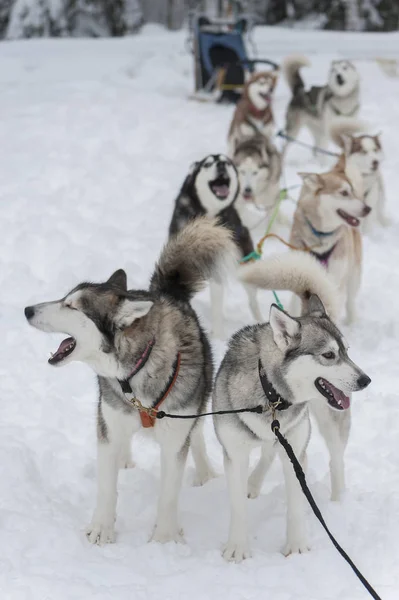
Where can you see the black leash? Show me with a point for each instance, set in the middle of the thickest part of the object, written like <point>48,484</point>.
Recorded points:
<point>292,139</point>
<point>256,409</point>
<point>302,481</point>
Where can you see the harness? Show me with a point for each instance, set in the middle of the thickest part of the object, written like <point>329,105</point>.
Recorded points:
<point>148,415</point>
<point>325,256</point>
<point>340,113</point>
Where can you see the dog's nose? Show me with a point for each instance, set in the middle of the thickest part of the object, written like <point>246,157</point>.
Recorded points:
<point>366,211</point>
<point>375,164</point>
<point>247,190</point>
<point>363,381</point>
<point>340,79</point>
<point>29,312</point>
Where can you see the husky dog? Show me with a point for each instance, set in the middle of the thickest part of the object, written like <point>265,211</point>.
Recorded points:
<point>326,222</point>
<point>259,169</point>
<point>364,152</point>
<point>317,107</point>
<point>211,188</point>
<point>150,342</point>
<point>288,361</point>
<point>253,114</point>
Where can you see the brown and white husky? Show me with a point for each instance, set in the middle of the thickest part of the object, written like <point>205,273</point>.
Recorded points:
<point>326,222</point>
<point>253,114</point>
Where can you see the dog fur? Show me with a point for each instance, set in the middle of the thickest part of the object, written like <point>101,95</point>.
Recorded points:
<point>326,221</point>
<point>253,114</point>
<point>364,152</point>
<point>298,356</point>
<point>110,327</point>
<point>259,169</point>
<point>198,197</point>
<point>316,108</point>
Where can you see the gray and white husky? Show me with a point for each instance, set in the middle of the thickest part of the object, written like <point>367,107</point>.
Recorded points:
<point>147,345</point>
<point>317,107</point>
<point>293,361</point>
<point>211,188</point>
<point>259,169</point>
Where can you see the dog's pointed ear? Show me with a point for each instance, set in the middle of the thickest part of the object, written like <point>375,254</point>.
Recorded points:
<point>315,307</point>
<point>312,180</point>
<point>285,328</point>
<point>130,310</point>
<point>118,280</point>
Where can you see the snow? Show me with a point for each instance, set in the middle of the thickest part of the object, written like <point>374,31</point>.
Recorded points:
<point>97,136</point>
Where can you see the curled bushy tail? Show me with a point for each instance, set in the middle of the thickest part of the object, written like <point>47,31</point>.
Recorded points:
<point>201,251</point>
<point>290,67</point>
<point>345,127</point>
<point>294,271</point>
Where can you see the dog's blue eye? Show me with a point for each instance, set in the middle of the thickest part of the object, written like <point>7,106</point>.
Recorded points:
<point>328,355</point>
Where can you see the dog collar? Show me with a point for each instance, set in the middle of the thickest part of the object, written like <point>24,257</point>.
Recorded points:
<point>124,383</point>
<point>148,415</point>
<point>258,114</point>
<point>318,233</point>
<point>274,399</point>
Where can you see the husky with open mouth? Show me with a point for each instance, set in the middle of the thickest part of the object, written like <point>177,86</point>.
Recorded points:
<point>147,345</point>
<point>317,107</point>
<point>289,362</point>
<point>327,222</point>
<point>253,114</point>
<point>363,151</point>
<point>211,188</point>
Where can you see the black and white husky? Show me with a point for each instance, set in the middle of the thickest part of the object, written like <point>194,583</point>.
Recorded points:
<point>211,188</point>
<point>293,360</point>
<point>317,107</point>
<point>147,345</point>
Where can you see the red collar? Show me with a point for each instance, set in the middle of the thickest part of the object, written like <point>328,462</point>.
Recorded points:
<point>257,114</point>
<point>148,418</point>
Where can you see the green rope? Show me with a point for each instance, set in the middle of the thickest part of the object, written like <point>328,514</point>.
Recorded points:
<point>257,254</point>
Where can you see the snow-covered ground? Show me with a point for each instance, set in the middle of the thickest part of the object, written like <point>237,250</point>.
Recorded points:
<point>96,137</point>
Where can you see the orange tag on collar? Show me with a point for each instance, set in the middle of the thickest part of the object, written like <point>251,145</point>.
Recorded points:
<point>146,419</point>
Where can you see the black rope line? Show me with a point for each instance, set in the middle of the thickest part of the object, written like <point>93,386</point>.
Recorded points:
<point>256,409</point>
<point>305,145</point>
<point>302,481</point>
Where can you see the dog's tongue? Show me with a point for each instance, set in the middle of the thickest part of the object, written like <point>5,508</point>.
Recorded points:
<point>64,344</point>
<point>353,221</point>
<point>341,398</point>
<point>222,191</point>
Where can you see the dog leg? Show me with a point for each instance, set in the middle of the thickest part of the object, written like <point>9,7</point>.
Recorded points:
<point>258,474</point>
<point>173,461</point>
<point>296,530</point>
<point>112,434</point>
<point>217,309</point>
<point>320,142</point>
<point>381,203</point>
<point>203,469</point>
<point>236,467</point>
<point>351,294</point>
<point>253,303</point>
<point>335,428</point>
<point>125,456</point>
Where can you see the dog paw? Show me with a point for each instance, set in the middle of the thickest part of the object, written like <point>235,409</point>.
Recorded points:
<point>202,477</point>
<point>101,533</point>
<point>253,489</point>
<point>236,551</point>
<point>163,535</point>
<point>127,463</point>
<point>295,547</point>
